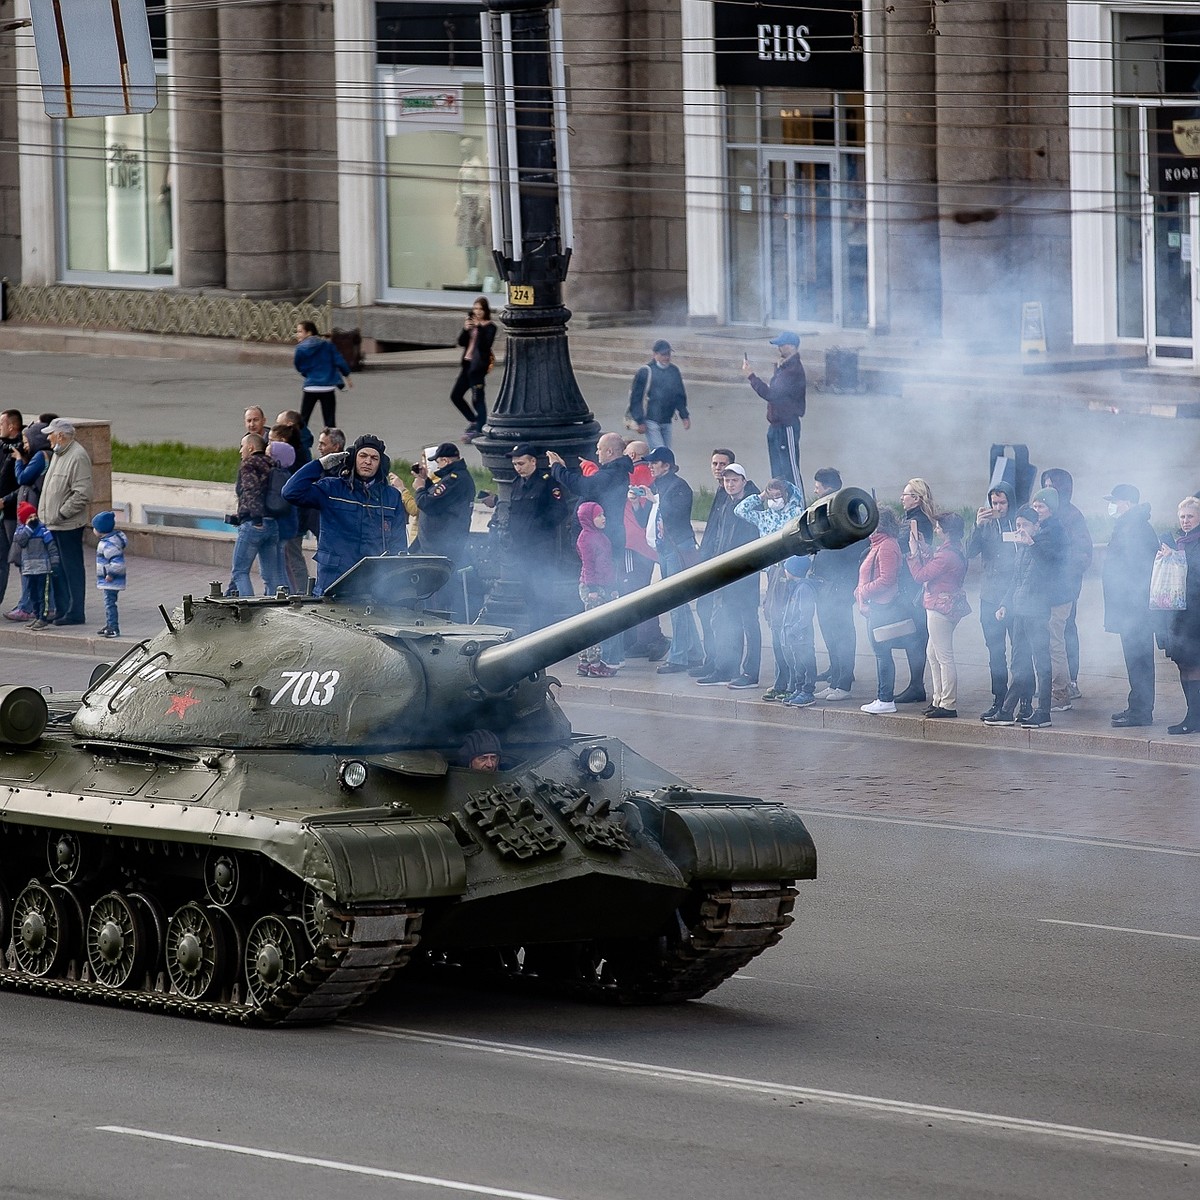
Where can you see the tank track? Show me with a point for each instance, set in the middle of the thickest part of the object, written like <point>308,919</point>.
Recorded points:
<point>359,951</point>
<point>716,933</point>
<point>735,923</point>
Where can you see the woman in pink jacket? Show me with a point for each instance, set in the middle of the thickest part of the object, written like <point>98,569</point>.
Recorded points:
<point>941,572</point>
<point>878,594</point>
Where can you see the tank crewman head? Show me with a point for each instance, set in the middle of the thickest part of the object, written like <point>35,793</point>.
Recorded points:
<point>368,457</point>
<point>480,751</point>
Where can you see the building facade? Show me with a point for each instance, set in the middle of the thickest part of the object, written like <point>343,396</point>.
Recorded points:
<point>919,169</point>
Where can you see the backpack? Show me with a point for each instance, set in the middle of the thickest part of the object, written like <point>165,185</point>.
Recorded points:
<point>275,505</point>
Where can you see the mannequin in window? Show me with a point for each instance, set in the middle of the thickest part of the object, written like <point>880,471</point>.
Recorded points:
<point>470,210</point>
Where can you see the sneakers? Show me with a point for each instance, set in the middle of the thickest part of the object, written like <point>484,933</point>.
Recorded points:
<point>877,707</point>
<point>999,717</point>
<point>1037,720</point>
<point>711,680</point>
<point>800,699</point>
<point>583,668</point>
<point>18,614</point>
<point>1073,691</point>
<point>41,623</point>
<point>601,670</point>
<point>774,694</point>
<point>834,694</point>
<point>742,682</point>
<point>108,632</point>
<point>1024,710</point>
<point>1061,707</point>
<point>994,711</point>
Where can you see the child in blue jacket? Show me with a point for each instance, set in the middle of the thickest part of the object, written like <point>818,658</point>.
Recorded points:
<point>110,569</point>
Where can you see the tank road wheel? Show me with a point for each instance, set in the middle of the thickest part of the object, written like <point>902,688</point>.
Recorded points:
<point>274,949</point>
<point>117,942</point>
<point>197,951</point>
<point>65,855</point>
<point>43,929</point>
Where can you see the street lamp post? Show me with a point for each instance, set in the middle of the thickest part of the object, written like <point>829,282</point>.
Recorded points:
<point>539,399</point>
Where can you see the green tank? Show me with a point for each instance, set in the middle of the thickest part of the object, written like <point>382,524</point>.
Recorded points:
<point>257,816</point>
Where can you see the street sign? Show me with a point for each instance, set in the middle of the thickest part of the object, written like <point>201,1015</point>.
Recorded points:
<point>94,57</point>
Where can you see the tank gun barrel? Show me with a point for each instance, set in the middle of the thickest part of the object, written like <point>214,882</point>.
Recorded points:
<point>834,521</point>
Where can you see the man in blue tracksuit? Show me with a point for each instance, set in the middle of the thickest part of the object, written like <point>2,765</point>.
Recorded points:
<point>362,515</point>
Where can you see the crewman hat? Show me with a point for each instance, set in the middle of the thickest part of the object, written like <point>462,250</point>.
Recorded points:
<point>661,454</point>
<point>61,425</point>
<point>1126,492</point>
<point>787,338</point>
<point>447,450</point>
<point>523,450</point>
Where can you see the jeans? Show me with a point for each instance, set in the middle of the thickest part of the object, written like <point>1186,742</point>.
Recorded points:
<point>111,619</point>
<point>476,411</point>
<point>686,646</point>
<point>658,434</point>
<point>256,542</point>
<point>69,579</point>
<point>835,614</point>
<point>994,635</point>
<point>1030,658</point>
<point>737,637</point>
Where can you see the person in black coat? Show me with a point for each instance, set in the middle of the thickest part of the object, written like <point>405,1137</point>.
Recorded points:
<point>1183,634</point>
<point>444,502</point>
<point>1126,582</point>
<point>476,338</point>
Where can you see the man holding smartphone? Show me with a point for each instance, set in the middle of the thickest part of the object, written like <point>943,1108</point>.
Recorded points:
<point>785,397</point>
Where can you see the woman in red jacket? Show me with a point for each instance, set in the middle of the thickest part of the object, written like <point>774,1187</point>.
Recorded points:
<point>942,572</point>
<point>878,593</point>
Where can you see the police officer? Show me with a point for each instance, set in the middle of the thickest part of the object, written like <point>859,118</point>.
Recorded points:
<point>444,501</point>
<point>538,509</point>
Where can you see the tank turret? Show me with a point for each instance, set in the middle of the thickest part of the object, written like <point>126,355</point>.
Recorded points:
<point>366,666</point>
<point>260,814</point>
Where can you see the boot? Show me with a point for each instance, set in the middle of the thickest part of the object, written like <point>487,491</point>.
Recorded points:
<point>1191,720</point>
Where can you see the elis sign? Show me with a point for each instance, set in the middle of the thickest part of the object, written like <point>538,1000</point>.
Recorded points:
<point>813,46</point>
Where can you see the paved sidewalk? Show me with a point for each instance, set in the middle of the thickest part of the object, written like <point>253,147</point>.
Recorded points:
<point>1083,730</point>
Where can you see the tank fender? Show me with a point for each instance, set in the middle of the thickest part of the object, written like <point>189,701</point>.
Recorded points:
<point>712,837</point>
<point>389,861</point>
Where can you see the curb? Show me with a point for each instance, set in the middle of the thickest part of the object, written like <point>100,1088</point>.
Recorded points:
<point>1130,747</point>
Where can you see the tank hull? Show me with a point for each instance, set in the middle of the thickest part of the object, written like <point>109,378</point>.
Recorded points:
<point>254,887</point>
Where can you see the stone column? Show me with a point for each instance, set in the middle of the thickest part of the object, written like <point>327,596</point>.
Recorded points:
<point>197,173</point>
<point>910,297</point>
<point>975,45</point>
<point>254,116</point>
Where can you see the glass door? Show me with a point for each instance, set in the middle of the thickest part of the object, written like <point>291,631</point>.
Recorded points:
<point>800,235</point>
<point>1170,256</point>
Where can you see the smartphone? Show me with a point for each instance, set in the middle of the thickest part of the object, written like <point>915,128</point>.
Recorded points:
<point>745,359</point>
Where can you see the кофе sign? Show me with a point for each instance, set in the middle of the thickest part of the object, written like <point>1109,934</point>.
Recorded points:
<point>790,46</point>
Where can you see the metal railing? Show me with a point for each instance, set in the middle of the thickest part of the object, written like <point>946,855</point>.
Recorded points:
<point>135,310</point>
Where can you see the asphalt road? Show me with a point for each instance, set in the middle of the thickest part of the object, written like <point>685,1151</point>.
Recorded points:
<point>877,441</point>
<point>958,1012</point>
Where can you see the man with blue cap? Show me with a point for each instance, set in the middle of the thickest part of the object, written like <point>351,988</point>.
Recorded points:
<point>785,396</point>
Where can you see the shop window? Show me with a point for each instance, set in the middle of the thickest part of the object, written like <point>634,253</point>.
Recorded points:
<point>115,188</point>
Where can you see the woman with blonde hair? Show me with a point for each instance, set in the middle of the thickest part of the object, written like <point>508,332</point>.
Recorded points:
<point>916,523</point>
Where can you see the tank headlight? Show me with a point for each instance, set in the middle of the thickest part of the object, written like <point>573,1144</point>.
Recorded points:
<point>352,774</point>
<point>594,761</point>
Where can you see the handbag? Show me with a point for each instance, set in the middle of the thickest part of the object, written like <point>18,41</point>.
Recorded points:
<point>889,622</point>
<point>1168,582</point>
<point>952,605</point>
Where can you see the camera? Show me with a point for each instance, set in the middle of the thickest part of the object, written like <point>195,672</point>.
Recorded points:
<point>232,519</point>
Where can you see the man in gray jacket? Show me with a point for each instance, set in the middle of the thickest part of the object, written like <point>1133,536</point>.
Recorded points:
<point>64,510</point>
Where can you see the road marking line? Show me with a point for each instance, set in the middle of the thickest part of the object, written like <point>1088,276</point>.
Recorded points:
<point>732,1083</point>
<point>327,1164</point>
<point>1030,835</point>
<point>1183,937</point>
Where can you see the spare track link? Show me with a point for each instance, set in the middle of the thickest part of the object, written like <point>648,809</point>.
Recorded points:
<point>351,962</point>
<point>737,921</point>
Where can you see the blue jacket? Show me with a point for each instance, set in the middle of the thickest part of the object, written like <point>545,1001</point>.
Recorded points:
<point>321,363</point>
<point>358,520</point>
<point>110,561</point>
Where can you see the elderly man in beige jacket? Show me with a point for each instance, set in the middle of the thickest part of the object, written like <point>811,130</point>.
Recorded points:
<point>64,509</point>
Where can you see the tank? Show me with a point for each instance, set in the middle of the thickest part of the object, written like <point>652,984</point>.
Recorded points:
<point>258,815</point>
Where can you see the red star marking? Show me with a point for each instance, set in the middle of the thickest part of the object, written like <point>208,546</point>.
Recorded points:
<point>180,704</point>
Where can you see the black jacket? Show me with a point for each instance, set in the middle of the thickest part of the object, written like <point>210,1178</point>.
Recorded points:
<point>658,394</point>
<point>728,532</point>
<point>445,508</point>
<point>1126,573</point>
<point>999,557</point>
<point>537,509</point>
<point>609,488</point>
<point>674,512</point>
